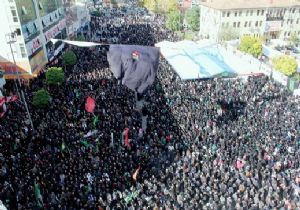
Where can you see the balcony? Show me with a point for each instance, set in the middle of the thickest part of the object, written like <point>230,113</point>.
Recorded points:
<point>277,18</point>
<point>32,36</point>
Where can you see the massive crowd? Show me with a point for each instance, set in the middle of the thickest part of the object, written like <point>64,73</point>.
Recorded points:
<point>208,144</point>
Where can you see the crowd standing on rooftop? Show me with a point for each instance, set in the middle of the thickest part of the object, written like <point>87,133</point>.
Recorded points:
<point>209,144</point>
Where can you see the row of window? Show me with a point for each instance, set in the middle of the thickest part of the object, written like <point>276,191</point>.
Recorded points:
<point>259,12</point>
<point>14,14</point>
<point>239,13</point>
<point>288,33</point>
<point>246,24</point>
<point>256,24</point>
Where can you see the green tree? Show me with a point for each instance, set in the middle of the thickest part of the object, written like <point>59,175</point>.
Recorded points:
<point>285,64</point>
<point>251,45</point>
<point>192,18</point>
<point>69,58</point>
<point>167,6</point>
<point>228,33</point>
<point>41,98</point>
<point>294,39</point>
<point>174,20</point>
<point>150,4</point>
<point>55,76</point>
<point>114,2</point>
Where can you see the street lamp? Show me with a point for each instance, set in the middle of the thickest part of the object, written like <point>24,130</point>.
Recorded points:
<point>11,38</point>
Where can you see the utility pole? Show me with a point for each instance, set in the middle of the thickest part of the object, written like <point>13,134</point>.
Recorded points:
<point>11,39</point>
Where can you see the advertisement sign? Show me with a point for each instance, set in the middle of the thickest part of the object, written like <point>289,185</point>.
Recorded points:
<point>38,61</point>
<point>33,45</point>
<point>51,33</point>
<point>273,26</point>
<point>50,18</point>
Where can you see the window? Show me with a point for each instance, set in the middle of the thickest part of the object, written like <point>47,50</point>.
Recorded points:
<point>18,32</point>
<point>292,21</point>
<point>262,12</point>
<point>228,14</point>
<point>289,33</point>
<point>240,13</point>
<point>40,6</point>
<point>234,24</point>
<point>285,33</point>
<point>246,24</point>
<point>14,14</point>
<point>251,13</point>
<point>260,23</point>
<point>238,25</point>
<point>293,11</point>
<point>247,13</point>
<point>23,52</point>
<point>249,23</point>
<point>223,14</point>
<point>258,12</point>
<point>235,14</point>
<point>256,23</point>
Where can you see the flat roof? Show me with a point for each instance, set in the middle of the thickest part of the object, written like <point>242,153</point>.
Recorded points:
<point>249,4</point>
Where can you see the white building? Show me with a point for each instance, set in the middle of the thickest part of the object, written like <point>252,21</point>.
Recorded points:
<point>272,18</point>
<point>34,23</point>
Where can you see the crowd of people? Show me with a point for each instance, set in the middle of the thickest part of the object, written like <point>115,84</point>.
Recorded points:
<point>208,144</point>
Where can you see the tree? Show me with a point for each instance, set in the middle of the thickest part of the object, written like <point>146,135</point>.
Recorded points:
<point>228,33</point>
<point>167,6</point>
<point>164,6</point>
<point>192,18</point>
<point>114,2</point>
<point>285,64</point>
<point>294,39</point>
<point>41,98</point>
<point>150,5</point>
<point>251,45</point>
<point>55,76</point>
<point>69,58</point>
<point>174,20</point>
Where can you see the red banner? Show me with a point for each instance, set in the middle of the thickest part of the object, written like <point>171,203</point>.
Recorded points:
<point>126,137</point>
<point>2,100</point>
<point>12,98</point>
<point>90,104</point>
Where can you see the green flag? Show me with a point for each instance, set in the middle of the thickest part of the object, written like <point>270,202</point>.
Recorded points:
<point>85,143</point>
<point>38,195</point>
<point>15,146</point>
<point>77,93</point>
<point>63,146</point>
<point>128,199</point>
<point>96,119</point>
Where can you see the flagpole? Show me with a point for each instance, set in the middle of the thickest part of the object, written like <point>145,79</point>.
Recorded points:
<point>12,39</point>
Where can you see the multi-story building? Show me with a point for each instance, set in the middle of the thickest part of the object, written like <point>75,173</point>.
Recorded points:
<point>276,19</point>
<point>29,25</point>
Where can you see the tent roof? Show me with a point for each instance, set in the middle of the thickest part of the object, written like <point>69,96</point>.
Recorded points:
<point>204,59</point>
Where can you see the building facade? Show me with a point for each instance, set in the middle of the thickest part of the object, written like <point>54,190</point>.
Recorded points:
<point>276,19</point>
<point>33,24</point>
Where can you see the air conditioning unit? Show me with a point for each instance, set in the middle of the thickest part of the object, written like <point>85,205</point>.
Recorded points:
<point>24,11</point>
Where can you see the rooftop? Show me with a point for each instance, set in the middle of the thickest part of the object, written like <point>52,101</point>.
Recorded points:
<point>249,4</point>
